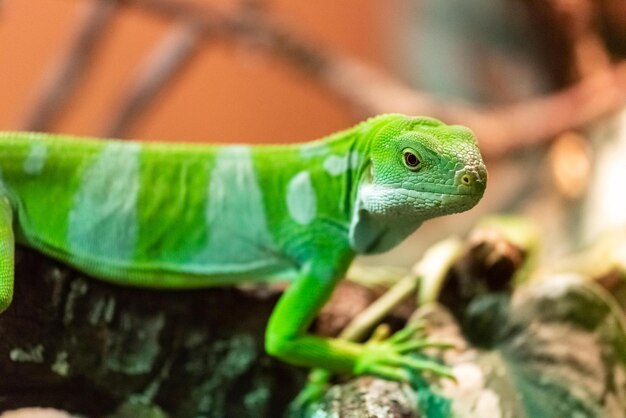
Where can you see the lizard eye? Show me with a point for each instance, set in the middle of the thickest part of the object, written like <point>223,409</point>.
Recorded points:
<point>411,160</point>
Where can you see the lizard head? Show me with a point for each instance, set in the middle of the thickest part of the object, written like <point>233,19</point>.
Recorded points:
<point>419,168</point>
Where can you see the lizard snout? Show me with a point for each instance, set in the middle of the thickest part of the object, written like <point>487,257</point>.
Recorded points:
<point>471,180</point>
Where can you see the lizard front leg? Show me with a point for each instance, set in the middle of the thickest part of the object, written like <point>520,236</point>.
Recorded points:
<point>287,336</point>
<point>7,253</point>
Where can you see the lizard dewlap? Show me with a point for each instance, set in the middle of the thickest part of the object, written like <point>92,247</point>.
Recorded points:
<point>190,216</point>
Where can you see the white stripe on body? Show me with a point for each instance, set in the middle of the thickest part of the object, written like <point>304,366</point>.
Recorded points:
<point>238,234</point>
<point>36,159</point>
<point>103,220</point>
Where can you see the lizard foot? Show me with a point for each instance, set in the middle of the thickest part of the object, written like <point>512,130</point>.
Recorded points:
<point>395,358</point>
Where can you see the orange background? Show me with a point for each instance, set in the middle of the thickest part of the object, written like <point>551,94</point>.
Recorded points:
<point>228,93</point>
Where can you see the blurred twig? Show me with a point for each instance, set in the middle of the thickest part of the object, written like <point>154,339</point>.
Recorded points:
<point>371,91</point>
<point>534,121</point>
<point>167,59</point>
<point>569,34</point>
<point>60,80</point>
<point>366,89</point>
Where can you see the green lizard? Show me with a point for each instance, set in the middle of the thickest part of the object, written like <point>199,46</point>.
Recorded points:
<point>191,216</point>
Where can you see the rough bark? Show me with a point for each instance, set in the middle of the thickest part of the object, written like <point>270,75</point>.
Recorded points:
<point>96,349</point>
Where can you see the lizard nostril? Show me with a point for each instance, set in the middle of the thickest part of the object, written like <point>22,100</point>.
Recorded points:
<point>466,179</point>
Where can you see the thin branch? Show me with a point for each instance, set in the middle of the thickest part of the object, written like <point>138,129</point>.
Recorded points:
<point>61,79</point>
<point>370,91</point>
<point>570,41</point>
<point>166,61</point>
<point>539,120</point>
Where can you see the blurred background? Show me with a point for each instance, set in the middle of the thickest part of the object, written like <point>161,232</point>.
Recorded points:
<point>541,82</point>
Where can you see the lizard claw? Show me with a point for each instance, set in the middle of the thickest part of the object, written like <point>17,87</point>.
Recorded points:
<point>395,359</point>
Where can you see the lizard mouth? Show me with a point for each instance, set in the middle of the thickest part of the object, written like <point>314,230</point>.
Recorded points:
<point>443,193</point>
<point>439,202</point>
<point>423,200</point>
<point>427,192</point>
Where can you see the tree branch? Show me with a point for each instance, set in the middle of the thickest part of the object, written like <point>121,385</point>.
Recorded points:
<point>167,59</point>
<point>62,78</point>
<point>371,91</point>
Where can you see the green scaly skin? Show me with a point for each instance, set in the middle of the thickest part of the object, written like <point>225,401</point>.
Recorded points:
<point>192,216</point>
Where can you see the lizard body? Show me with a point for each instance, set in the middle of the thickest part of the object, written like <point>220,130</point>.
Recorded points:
<point>190,216</point>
